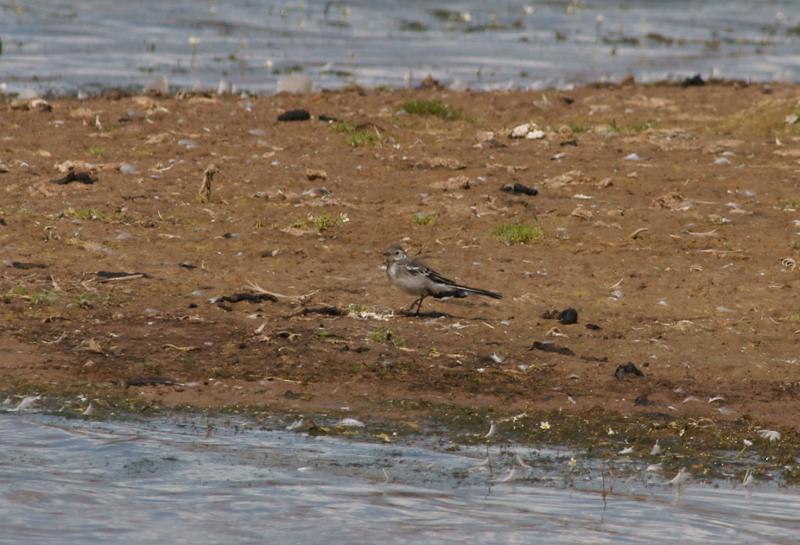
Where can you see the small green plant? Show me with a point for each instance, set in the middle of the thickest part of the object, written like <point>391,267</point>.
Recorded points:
<point>321,223</point>
<point>577,128</point>
<point>431,108</point>
<point>793,203</point>
<point>519,233</point>
<point>344,126</point>
<point>97,151</point>
<point>85,299</point>
<point>632,128</point>
<point>638,126</point>
<point>382,336</point>
<point>32,296</point>
<point>421,218</point>
<point>358,136</point>
<point>363,137</point>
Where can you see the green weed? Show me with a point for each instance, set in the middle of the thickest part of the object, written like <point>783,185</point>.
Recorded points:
<point>578,128</point>
<point>85,299</point>
<point>632,128</point>
<point>382,336</point>
<point>431,108</point>
<point>321,223</point>
<point>519,233</point>
<point>421,218</point>
<point>33,296</point>
<point>358,136</point>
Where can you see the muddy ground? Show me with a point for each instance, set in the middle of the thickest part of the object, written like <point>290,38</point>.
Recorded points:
<point>668,217</point>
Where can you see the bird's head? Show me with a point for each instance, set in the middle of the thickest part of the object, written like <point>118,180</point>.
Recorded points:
<point>394,253</point>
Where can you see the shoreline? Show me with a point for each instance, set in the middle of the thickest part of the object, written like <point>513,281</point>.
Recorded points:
<point>153,88</point>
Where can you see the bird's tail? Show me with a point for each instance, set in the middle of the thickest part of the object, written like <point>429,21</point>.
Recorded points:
<point>478,291</point>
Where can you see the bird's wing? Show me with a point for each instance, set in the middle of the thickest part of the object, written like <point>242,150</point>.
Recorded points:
<point>415,267</point>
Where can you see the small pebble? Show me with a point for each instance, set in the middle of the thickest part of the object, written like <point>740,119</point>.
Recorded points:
<point>627,369</point>
<point>568,316</point>
<point>127,168</point>
<point>187,143</point>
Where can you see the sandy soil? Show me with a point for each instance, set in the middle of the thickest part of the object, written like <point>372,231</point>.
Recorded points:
<point>684,258</point>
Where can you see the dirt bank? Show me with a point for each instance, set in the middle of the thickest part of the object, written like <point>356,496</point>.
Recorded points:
<point>668,217</point>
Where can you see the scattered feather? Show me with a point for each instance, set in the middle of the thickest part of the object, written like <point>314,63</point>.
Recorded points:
<point>482,463</point>
<point>522,463</point>
<point>27,404</point>
<point>508,477</point>
<point>748,478</point>
<point>680,478</point>
<point>770,435</point>
<point>350,423</point>
<point>295,425</point>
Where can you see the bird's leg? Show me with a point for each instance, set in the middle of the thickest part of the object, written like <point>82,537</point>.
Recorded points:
<point>419,305</point>
<point>414,302</point>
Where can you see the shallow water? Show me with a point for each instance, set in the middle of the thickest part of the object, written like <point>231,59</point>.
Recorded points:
<point>91,44</point>
<point>166,481</point>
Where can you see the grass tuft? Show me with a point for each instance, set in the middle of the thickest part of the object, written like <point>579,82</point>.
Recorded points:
<point>34,297</point>
<point>382,336</point>
<point>793,203</point>
<point>321,223</point>
<point>421,218</point>
<point>636,127</point>
<point>577,128</point>
<point>519,233</point>
<point>431,108</point>
<point>358,136</point>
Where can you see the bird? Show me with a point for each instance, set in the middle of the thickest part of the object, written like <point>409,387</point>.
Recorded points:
<point>414,277</point>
